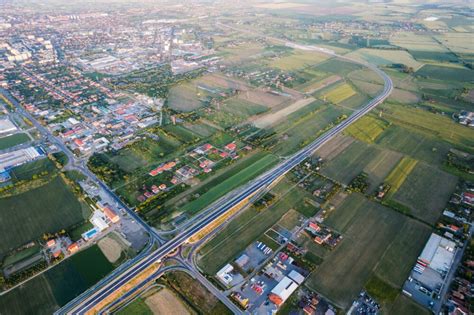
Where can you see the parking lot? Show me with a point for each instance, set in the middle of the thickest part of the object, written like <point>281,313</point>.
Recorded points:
<point>257,289</point>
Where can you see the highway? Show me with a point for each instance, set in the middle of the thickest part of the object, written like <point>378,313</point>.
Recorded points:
<point>233,199</point>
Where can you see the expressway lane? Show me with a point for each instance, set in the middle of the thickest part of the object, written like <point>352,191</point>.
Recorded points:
<point>233,199</point>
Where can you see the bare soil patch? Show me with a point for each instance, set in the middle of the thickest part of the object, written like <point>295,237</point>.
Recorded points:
<point>272,118</point>
<point>334,147</point>
<point>164,302</point>
<point>111,248</point>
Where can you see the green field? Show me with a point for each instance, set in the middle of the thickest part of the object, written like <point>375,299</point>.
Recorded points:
<point>182,133</point>
<point>299,132</point>
<point>229,184</point>
<point>137,307</point>
<point>298,60</point>
<point>27,216</point>
<point>361,157</point>
<point>184,97</point>
<point>337,66</point>
<point>26,171</point>
<point>368,229</point>
<point>21,255</point>
<point>426,191</point>
<point>248,227</point>
<point>366,129</point>
<point>46,293</point>
<point>399,174</point>
<point>406,306</point>
<point>398,260</point>
<point>415,144</point>
<point>147,151</point>
<point>446,73</point>
<point>12,140</point>
<point>430,124</point>
<point>383,57</point>
<point>339,93</point>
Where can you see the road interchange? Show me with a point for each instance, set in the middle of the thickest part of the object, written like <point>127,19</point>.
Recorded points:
<point>89,301</point>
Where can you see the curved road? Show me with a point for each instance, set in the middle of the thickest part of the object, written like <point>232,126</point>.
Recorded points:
<point>82,306</point>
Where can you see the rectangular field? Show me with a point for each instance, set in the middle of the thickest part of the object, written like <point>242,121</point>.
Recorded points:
<point>398,175</point>
<point>339,93</point>
<point>231,183</point>
<point>27,216</point>
<point>12,140</point>
<point>298,60</point>
<point>367,129</point>
<point>426,191</point>
<point>446,73</point>
<point>368,229</point>
<point>44,294</point>
<point>395,265</point>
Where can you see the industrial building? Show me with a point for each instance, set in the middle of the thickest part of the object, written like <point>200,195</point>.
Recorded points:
<point>7,127</point>
<point>282,291</point>
<point>428,277</point>
<point>18,157</point>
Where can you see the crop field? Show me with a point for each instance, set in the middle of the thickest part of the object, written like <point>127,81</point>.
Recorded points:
<point>201,129</point>
<point>395,265</point>
<point>405,305</point>
<point>382,57</point>
<point>379,167</point>
<point>80,275</point>
<point>305,130</point>
<point>339,93</point>
<point>184,97</point>
<point>220,176</point>
<point>33,298</point>
<point>458,42</point>
<point>359,157</point>
<point>233,112</point>
<point>412,41</point>
<point>414,144</point>
<point>182,133</point>
<point>12,140</point>
<point>26,171</point>
<point>426,191</point>
<point>334,147</point>
<point>431,124</point>
<point>230,183</point>
<point>368,88</point>
<point>46,293</point>
<point>368,230</point>
<point>27,216</point>
<point>272,118</point>
<point>248,227</point>
<point>338,67</point>
<point>298,60</point>
<point>218,80</point>
<point>318,84</point>
<point>367,129</point>
<point>243,108</point>
<point>403,97</point>
<point>446,73</point>
<point>243,52</point>
<point>264,98</point>
<point>399,174</point>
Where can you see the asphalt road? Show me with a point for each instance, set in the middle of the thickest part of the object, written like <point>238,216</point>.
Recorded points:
<point>215,211</point>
